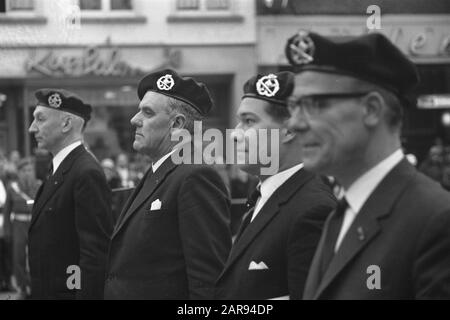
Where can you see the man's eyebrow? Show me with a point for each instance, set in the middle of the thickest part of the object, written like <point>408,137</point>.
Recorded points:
<point>146,108</point>
<point>245,114</point>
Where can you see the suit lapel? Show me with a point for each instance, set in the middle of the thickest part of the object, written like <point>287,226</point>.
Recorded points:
<point>313,280</point>
<point>267,213</point>
<point>49,187</point>
<point>131,199</point>
<point>140,196</point>
<point>366,225</point>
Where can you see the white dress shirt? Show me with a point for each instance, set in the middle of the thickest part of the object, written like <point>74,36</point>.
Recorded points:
<point>271,184</point>
<point>158,163</point>
<point>61,155</point>
<point>358,193</point>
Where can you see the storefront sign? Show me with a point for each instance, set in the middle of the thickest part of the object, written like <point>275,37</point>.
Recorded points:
<point>93,61</point>
<point>434,102</point>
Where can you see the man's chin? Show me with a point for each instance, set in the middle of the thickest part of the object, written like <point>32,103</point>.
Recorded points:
<point>313,165</point>
<point>137,146</point>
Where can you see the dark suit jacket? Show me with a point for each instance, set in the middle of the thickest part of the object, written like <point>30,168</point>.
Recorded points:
<point>71,225</point>
<point>404,229</point>
<point>284,235</point>
<point>176,252</point>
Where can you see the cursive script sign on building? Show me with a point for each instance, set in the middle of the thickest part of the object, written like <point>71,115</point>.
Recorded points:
<point>91,62</point>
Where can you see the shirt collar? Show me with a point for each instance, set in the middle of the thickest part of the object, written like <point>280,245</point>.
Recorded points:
<point>272,183</point>
<point>363,187</point>
<point>61,155</point>
<point>158,163</point>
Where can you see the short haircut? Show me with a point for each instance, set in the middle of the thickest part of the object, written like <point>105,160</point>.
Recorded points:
<point>278,112</point>
<point>191,115</point>
<point>394,115</point>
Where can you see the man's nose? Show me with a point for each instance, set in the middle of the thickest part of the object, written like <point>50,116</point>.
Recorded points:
<point>32,128</point>
<point>298,120</point>
<point>134,121</point>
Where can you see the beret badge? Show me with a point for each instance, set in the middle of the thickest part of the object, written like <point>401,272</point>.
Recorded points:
<point>165,83</point>
<point>301,49</point>
<point>55,100</point>
<point>268,86</point>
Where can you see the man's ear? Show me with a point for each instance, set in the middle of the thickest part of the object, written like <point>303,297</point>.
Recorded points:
<point>66,124</point>
<point>179,121</point>
<point>287,135</point>
<point>374,109</point>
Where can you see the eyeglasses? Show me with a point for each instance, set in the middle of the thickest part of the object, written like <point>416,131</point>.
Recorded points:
<point>313,104</point>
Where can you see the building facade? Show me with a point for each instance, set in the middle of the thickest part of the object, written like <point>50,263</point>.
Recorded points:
<point>421,29</point>
<point>100,49</point>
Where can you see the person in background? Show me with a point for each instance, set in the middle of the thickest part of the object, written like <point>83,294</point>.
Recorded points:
<point>14,157</point>
<point>432,165</point>
<point>21,193</point>
<point>119,195</point>
<point>5,236</point>
<point>112,177</point>
<point>123,169</point>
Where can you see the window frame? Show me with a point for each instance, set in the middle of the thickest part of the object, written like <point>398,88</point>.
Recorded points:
<point>203,9</point>
<point>19,12</point>
<point>105,9</point>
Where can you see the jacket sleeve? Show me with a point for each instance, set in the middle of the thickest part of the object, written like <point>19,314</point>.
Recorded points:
<point>204,216</point>
<point>93,220</point>
<point>431,271</point>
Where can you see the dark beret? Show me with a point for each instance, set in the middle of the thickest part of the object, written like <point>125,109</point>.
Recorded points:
<point>274,88</point>
<point>371,57</point>
<point>169,83</point>
<point>63,100</point>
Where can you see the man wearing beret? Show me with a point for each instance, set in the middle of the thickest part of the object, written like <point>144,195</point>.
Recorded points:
<point>389,238</point>
<point>71,217</point>
<point>172,237</point>
<point>272,254</point>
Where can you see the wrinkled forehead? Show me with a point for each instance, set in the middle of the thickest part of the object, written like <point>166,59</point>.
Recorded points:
<point>155,101</point>
<point>314,82</point>
<point>45,111</point>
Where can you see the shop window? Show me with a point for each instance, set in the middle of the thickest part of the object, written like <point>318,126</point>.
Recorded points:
<point>203,5</point>
<point>106,5</point>
<point>16,5</point>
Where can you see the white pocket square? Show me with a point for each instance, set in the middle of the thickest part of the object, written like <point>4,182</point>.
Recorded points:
<point>156,205</point>
<point>257,266</point>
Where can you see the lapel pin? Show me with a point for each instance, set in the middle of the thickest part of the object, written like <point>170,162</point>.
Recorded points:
<point>361,235</point>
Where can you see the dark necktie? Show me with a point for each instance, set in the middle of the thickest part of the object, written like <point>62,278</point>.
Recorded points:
<point>145,186</point>
<point>49,170</point>
<point>334,227</point>
<point>251,202</point>
<point>253,198</point>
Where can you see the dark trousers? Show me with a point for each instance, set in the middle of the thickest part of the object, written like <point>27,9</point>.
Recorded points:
<point>5,263</point>
<point>20,260</point>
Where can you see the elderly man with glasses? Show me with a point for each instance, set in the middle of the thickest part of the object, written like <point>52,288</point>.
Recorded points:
<point>389,238</point>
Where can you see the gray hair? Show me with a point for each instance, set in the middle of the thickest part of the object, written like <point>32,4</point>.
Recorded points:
<point>191,115</point>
